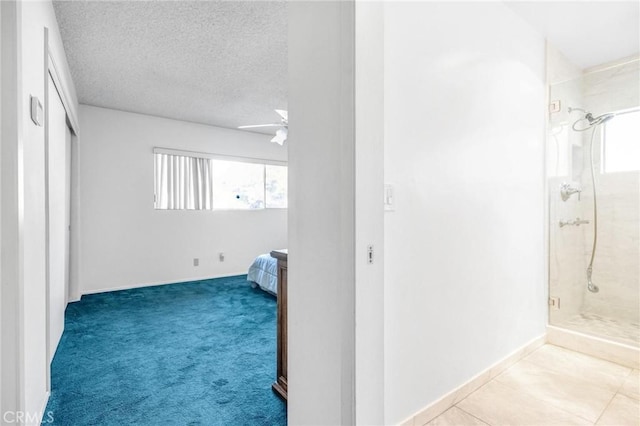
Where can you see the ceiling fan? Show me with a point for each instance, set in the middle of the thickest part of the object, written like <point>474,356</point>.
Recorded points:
<point>281,134</point>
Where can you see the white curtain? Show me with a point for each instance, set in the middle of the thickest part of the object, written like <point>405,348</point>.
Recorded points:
<point>183,182</point>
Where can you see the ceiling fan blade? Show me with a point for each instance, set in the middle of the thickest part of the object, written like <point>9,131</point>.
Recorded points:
<point>284,114</point>
<point>260,125</point>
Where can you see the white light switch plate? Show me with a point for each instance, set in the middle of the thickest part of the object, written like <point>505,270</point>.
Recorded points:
<point>389,198</point>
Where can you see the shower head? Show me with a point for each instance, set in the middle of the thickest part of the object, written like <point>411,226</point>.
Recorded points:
<point>604,118</point>
<point>588,121</point>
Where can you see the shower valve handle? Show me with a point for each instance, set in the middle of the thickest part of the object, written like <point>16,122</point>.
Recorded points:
<point>567,190</point>
<point>576,222</point>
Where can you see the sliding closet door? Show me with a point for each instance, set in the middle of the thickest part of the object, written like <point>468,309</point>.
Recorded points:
<point>58,190</point>
<point>67,213</point>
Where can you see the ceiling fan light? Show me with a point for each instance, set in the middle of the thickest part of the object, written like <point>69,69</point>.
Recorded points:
<point>280,137</point>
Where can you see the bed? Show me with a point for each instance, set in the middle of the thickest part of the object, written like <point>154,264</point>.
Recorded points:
<point>263,273</point>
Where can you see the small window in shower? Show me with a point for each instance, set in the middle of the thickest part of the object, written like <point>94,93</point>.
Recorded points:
<point>621,147</point>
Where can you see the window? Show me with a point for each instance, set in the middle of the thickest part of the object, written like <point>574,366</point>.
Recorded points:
<point>275,186</point>
<point>238,185</point>
<point>621,143</point>
<point>203,182</point>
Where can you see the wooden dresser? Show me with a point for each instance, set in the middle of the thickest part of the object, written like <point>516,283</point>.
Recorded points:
<point>280,385</point>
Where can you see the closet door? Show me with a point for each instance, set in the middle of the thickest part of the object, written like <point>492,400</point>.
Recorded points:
<point>58,189</point>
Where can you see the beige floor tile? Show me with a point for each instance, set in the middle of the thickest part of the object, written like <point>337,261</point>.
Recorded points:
<point>465,390</point>
<point>429,413</point>
<point>498,404</point>
<point>623,411</point>
<point>631,386</point>
<point>587,368</point>
<point>455,417</point>
<point>573,394</point>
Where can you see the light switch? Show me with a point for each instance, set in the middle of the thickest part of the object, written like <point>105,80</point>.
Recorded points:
<point>389,198</point>
<point>554,106</point>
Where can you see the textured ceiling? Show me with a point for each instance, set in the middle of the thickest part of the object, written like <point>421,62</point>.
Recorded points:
<point>222,63</point>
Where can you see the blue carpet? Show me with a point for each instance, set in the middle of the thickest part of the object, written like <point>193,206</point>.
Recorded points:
<point>192,353</point>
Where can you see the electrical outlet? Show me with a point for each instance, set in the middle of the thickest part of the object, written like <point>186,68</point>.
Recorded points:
<point>221,257</point>
<point>196,261</point>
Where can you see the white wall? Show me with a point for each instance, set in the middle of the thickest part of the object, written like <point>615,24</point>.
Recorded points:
<point>321,213</point>
<point>24,211</point>
<point>369,225</point>
<point>35,17</point>
<point>1,137</point>
<point>11,287</point>
<point>464,141</point>
<point>124,241</point>
<point>35,304</point>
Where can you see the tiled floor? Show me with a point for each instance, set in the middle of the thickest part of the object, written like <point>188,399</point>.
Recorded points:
<point>552,386</point>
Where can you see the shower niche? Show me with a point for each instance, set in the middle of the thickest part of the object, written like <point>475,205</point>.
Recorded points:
<point>593,178</point>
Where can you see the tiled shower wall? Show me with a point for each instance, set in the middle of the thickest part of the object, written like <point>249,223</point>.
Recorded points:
<point>610,87</point>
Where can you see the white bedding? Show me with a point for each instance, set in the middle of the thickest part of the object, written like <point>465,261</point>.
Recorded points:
<point>264,272</point>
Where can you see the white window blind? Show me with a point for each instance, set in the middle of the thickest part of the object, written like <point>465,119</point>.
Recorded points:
<point>182,182</point>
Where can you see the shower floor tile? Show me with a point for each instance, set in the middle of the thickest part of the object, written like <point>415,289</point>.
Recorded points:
<point>552,386</point>
<point>621,331</point>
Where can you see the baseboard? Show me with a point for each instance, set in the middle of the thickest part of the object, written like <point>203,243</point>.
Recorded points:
<point>159,283</point>
<point>438,407</point>
<point>619,353</point>
<point>74,298</point>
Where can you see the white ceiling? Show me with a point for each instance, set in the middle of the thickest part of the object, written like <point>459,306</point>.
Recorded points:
<point>222,63</point>
<point>588,33</point>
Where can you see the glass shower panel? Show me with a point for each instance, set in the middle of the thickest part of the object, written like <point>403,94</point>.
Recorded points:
<point>594,230</point>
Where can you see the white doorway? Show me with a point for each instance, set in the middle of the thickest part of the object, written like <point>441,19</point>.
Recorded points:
<point>58,213</point>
